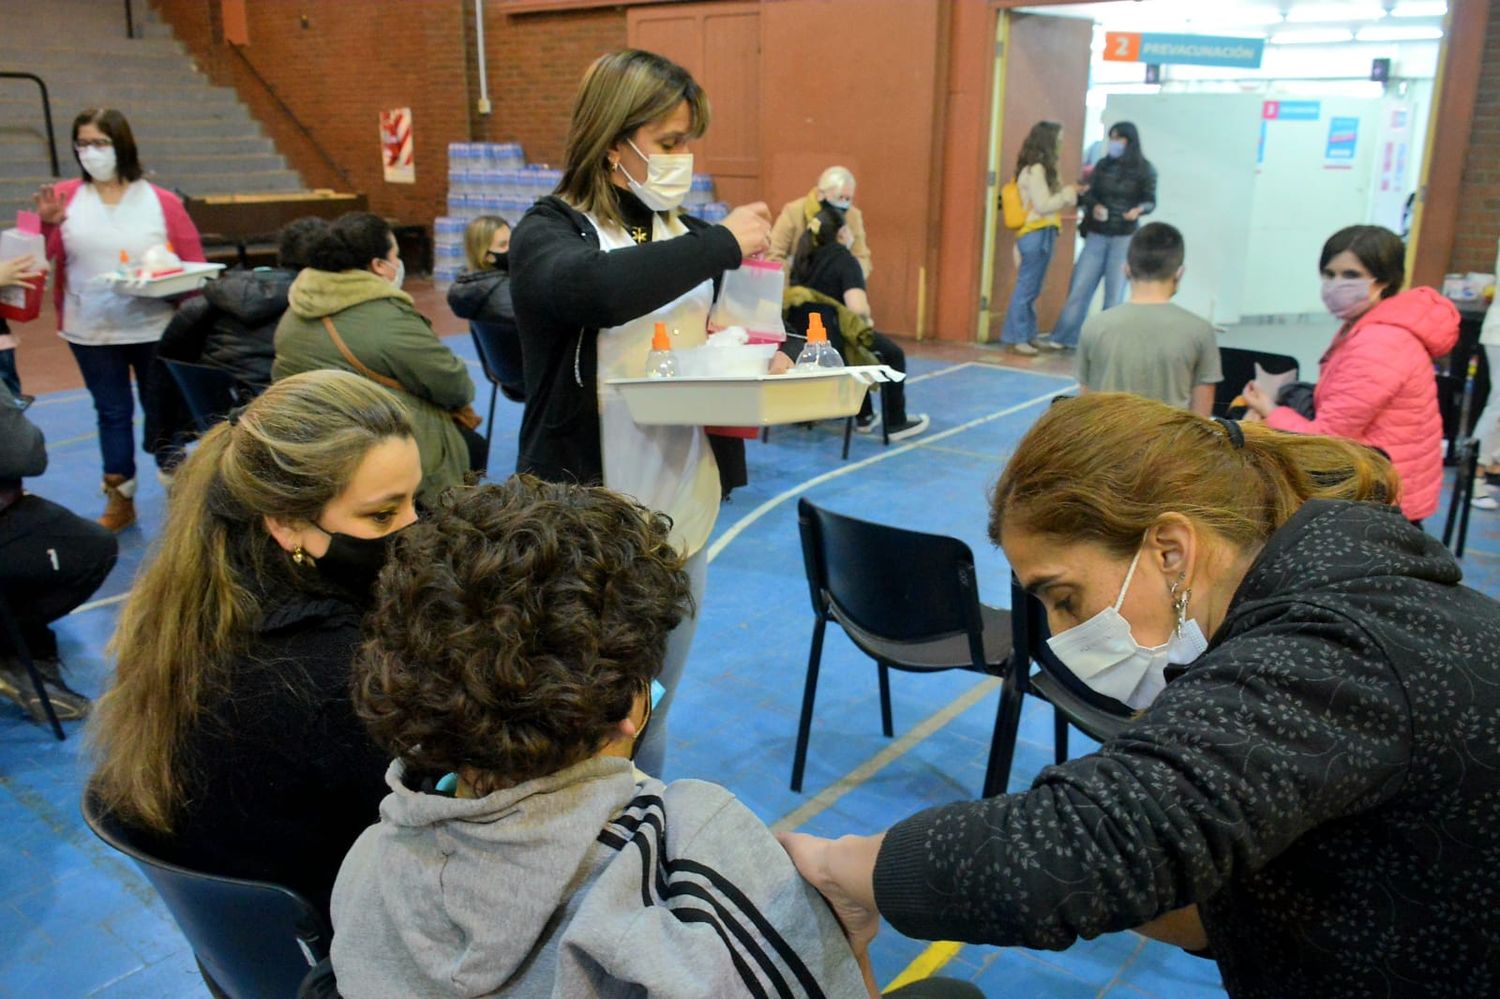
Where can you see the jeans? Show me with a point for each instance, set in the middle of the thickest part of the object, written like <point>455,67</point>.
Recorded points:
<point>1102,257</point>
<point>106,371</point>
<point>8,371</point>
<point>651,754</point>
<point>1488,427</point>
<point>51,561</point>
<point>1036,256</point>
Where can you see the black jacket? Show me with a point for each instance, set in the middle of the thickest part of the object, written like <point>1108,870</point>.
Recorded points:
<point>23,450</point>
<point>483,298</point>
<point>280,775</point>
<point>232,325</point>
<point>565,290</point>
<point>1324,782</point>
<point>1119,187</point>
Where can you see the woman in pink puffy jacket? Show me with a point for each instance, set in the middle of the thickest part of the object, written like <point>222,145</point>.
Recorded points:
<point>1376,385</point>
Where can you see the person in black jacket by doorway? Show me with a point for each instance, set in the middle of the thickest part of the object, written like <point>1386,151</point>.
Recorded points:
<point>228,739</point>
<point>1310,790</point>
<point>231,327</point>
<point>1122,188</point>
<point>482,296</point>
<point>593,269</point>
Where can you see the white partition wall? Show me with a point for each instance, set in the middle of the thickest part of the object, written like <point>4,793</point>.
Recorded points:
<point>1204,148</point>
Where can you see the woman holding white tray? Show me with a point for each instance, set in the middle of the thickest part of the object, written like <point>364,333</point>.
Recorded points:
<point>593,268</point>
<point>89,224</point>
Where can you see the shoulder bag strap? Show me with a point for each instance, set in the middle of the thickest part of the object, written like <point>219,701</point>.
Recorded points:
<point>356,363</point>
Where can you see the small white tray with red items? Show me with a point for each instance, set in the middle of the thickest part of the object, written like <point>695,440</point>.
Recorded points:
<point>189,278</point>
<point>751,400</point>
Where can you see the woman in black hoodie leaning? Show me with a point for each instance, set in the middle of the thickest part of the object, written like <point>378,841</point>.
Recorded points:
<point>593,268</point>
<point>1311,788</point>
<point>1121,189</point>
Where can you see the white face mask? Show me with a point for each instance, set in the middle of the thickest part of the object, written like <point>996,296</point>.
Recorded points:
<point>1103,653</point>
<point>99,162</point>
<point>668,179</point>
<point>400,273</point>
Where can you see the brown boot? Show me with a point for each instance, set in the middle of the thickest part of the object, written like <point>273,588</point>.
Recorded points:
<point>119,508</point>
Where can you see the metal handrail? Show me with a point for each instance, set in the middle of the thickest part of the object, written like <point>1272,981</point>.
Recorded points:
<point>292,116</point>
<point>46,113</point>
<point>129,20</point>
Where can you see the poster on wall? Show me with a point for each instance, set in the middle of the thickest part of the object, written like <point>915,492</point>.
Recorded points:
<point>396,146</point>
<point>1343,143</point>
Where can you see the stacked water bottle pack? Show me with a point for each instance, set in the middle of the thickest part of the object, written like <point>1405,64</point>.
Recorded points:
<point>493,178</point>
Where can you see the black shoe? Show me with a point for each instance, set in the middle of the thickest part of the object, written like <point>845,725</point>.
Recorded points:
<point>15,683</point>
<point>909,428</point>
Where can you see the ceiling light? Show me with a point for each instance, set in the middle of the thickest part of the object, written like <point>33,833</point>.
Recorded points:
<point>1420,8</point>
<point>1313,36</point>
<point>1399,34</point>
<point>1320,12</point>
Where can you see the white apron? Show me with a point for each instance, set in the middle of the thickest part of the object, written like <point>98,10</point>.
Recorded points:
<point>668,469</point>
<point>93,235</point>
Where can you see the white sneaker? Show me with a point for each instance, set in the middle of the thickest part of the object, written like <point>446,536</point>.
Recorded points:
<point>1050,345</point>
<point>867,427</point>
<point>1022,348</point>
<point>1478,502</point>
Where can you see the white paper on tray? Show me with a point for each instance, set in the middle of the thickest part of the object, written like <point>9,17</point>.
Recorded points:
<point>1271,384</point>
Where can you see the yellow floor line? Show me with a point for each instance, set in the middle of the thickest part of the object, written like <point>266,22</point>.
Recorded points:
<point>927,963</point>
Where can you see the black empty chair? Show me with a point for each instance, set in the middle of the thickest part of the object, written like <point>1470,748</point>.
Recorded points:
<point>1239,369</point>
<point>210,393</point>
<point>251,938</point>
<point>23,652</point>
<point>911,602</point>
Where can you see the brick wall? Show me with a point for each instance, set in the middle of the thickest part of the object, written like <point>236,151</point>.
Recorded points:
<point>535,63</point>
<point>318,85</point>
<point>1479,202</point>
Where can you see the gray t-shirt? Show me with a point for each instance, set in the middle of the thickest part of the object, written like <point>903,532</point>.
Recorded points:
<point>1159,350</point>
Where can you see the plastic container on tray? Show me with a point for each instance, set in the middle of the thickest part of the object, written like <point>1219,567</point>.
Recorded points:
<point>751,297</point>
<point>750,401</point>
<point>192,277</point>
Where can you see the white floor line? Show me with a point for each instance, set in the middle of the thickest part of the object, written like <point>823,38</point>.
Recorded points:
<point>58,399</point>
<point>745,522</point>
<point>104,602</point>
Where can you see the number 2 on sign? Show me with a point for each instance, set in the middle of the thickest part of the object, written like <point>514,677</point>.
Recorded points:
<point>1122,46</point>
<point>52,554</point>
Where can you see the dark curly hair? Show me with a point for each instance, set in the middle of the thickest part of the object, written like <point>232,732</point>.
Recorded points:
<point>515,627</point>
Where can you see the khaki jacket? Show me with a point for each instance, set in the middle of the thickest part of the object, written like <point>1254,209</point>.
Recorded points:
<point>390,337</point>
<point>792,224</point>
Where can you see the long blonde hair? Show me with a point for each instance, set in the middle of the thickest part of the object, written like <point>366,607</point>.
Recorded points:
<point>1105,467</point>
<point>620,92</point>
<point>197,600</point>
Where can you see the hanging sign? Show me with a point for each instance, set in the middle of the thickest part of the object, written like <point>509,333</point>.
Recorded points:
<point>396,151</point>
<point>1184,50</point>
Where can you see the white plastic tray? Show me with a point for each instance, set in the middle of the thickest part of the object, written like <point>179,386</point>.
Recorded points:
<point>750,401</point>
<point>193,277</point>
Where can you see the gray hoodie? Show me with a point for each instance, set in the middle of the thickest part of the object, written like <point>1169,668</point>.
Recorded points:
<point>583,883</point>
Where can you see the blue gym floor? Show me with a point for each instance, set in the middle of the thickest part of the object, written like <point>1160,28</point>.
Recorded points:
<point>77,919</point>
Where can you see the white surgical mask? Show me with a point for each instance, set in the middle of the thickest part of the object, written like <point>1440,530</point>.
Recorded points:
<point>668,179</point>
<point>1103,653</point>
<point>400,273</point>
<point>99,162</point>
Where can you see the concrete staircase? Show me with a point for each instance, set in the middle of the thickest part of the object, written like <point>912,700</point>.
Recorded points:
<point>194,138</point>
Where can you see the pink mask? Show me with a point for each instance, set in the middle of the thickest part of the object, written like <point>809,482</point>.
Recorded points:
<point>1347,298</point>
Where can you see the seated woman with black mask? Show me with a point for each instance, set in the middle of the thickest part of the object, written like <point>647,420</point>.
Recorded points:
<point>824,266</point>
<point>228,738</point>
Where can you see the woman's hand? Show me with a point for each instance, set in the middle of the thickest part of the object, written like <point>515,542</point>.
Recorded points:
<point>780,363</point>
<point>50,205</point>
<point>1101,214</point>
<point>21,270</point>
<point>1257,400</point>
<point>751,225</point>
<point>1133,214</point>
<point>843,871</point>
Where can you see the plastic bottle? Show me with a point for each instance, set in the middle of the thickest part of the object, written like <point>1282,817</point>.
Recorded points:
<point>818,353</point>
<point>660,363</point>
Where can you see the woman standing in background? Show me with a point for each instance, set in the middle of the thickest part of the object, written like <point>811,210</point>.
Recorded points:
<point>1045,197</point>
<point>1122,188</point>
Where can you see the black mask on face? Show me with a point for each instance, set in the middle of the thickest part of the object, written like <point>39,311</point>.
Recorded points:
<point>499,261</point>
<point>353,564</point>
<point>832,209</point>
